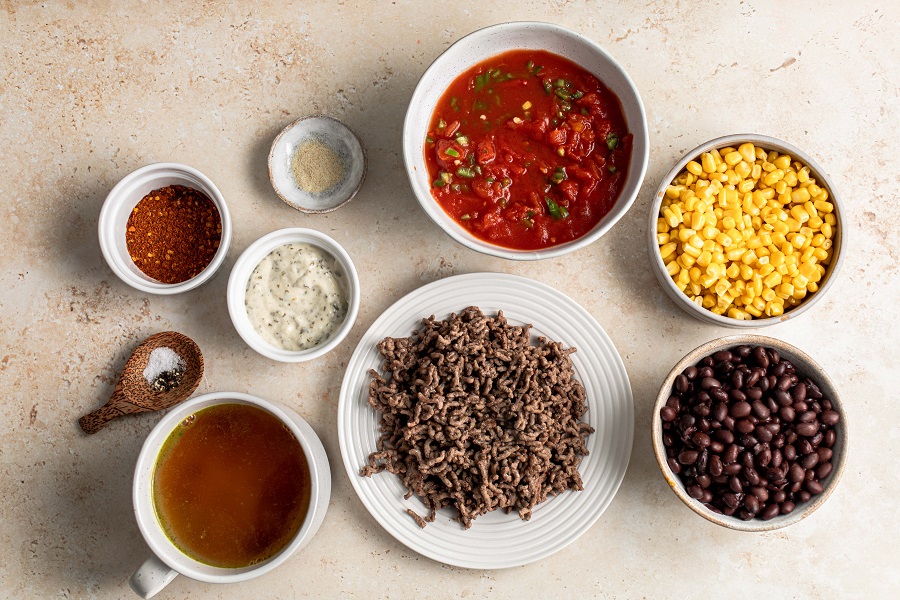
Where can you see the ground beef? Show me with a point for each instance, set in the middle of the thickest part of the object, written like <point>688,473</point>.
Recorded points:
<point>476,418</point>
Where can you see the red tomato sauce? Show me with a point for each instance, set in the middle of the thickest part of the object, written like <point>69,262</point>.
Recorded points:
<point>527,150</point>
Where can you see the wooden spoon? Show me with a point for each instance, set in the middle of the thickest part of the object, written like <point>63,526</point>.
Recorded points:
<point>133,393</point>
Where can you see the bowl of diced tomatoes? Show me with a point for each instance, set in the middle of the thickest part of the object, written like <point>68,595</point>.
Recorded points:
<point>525,141</point>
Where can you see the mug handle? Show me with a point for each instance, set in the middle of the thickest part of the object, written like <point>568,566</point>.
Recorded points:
<point>151,577</point>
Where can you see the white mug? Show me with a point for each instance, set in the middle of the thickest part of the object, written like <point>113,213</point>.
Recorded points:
<point>167,560</point>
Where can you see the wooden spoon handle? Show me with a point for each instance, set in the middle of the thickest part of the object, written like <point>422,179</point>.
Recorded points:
<point>116,407</point>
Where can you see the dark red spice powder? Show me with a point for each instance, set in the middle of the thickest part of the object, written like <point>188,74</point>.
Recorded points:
<point>173,233</point>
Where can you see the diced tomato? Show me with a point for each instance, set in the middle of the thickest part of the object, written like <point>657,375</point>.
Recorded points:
<point>556,137</point>
<point>485,153</point>
<point>538,128</point>
<point>449,161</point>
<point>569,189</point>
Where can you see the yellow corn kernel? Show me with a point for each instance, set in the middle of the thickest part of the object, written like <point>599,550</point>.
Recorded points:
<point>807,254</point>
<point>722,286</point>
<point>704,259</point>
<point>786,288</point>
<point>830,219</point>
<point>696,290</point>
<point>743,170</point>
<point>674,191</point>
<point>800,196</point>
<point>783,161</point>
<point>820,253</point>
<point>738,286</point>
<point>663,238</point>
<point>773,279</point>
<point>694,167</point>
<point>746,271</point>
<point>780,186</point>
<point>755,171</point>
<point>812,287</point>
<point>697,221</point>
<point>766,269</point>
<point>768,294</point>
<point>749,257</point>
<point>803,175</point>
<point>796,239</point>
<point>799,293</point>
<point>687,260</point>
<point>774,310</point>
<point>695,274</point>
<point>686,234</point>
<point>736,313</point>
<point>684,277</point>
<point>709,246</point>
<point>790,178</point>
<point>807,270</point>
<point>815,222</point>
<point>673,268</point>
<point>793,224</point>
<point>753,311</point>
<point>799,281</point>
<point>708,162</point>
<point>747,152</point>
<point>667,249</point>
<point>696,241</point>
<point>823,206</point>
<point>708,280</point>
<point>690,250</point>
<point>709,300</point>
<point>733,271</point>
<point>733,158</point>
<point>662,226</point>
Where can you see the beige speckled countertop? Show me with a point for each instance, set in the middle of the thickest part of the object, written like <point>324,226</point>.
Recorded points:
<point>90,93</point>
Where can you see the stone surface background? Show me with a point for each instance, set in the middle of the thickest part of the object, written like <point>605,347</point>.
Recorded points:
<point>91,91</point>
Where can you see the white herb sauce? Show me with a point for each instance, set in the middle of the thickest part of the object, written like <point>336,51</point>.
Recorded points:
<point>296,297</point>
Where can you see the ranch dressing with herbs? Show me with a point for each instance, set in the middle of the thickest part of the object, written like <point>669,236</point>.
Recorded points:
<point>296,297</point>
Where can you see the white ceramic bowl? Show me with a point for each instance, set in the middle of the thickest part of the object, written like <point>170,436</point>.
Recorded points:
<point>126,195</point>
<point>491,41</point>
<point>168,561</point>
<point>806,367</point>
<point>243,268</point>
<point>336,136</point>
<point>767,143</point>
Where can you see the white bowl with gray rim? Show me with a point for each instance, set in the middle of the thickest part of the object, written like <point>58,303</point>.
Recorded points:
<point>336,136</point>
<point>767,143</point>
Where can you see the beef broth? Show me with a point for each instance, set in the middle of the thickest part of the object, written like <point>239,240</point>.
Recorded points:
<point>231,486</point>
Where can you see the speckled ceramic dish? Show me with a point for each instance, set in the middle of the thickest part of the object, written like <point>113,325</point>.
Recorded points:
<point>767,143</point>
<point>806,367</point>
<point>491,41</point>
<point>336,136</point>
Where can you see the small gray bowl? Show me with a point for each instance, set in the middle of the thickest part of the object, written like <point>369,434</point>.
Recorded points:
<point>336,136</point>
<point>806,367</point>
<point>768,143</point>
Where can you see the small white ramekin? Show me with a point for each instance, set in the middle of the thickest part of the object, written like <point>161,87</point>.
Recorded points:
<point>240,275</point>
<point>122,200</point>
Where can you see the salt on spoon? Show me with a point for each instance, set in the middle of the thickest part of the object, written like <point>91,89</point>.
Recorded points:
<point>170,358</point>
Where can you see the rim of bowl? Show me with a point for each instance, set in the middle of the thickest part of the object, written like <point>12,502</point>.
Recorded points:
<point>804,363</point>
<point>164,429</point>
<point>294,205</point>
<point>638,164</point>
<point>243,269</point>
<point>703,314</point>
<point>117,197</point>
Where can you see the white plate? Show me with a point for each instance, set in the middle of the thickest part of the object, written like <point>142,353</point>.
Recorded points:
<point>495,540</point>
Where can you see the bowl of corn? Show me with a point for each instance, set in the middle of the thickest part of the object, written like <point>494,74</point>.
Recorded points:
<point>745,231</point>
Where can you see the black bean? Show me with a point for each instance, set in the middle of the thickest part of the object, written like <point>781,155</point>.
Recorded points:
<point>701,440</point>
<point>744,426</point>
<point>715,465</point>
<point>716,447</point>
<point>691,372</point>
<point>799,392</point>
<point>701,410</point>
<point>800,407</point>
<point>787,507</point>
<point>762,359</point>
<point>719,394</point>
<point>777,458</point>
<point>816,439</point>
<point>809,461</point>
<point>787,414</point>
<point>681,383</point>
<point>709,382</point>
<point>760,410</point>
<point>724,436</point>
<point>830,417</point>
<point>732,469</point>
<point>764,458</point>
<point>763,384</point>
<point>763,434</point>
<point>738,396</point>
<point>779,496</point>
<point>779,370</point>
<point>783,383</point>
<point>807,429</point>
<point>814,487</point>
<point>739,410</point>
<point>706,497</point>
<point>737,379</point>
<point>813,391</point>
<point>706,371</point>
<point>806,416</point>
<point>674,402</point>
<point>695,491</point>
<point>752,378</point>
<point>731,500</point>
<point>667,413</point>
<point>761,493</point>
<point>674,466</point>
<point>688,457</point>
<point>825,454</point>
<point>751,503</point>
<point>823,470</point>
<point>754,393</point>
<point>751,475</point>
<point>687,420</point>
<point>796,473</point>
<point>743,351</point>
<point>830,438</point>
<point>770,512</point>
<point>782,398</point>
<point>720,411</point>
<point>728,423</point>
<point>735,484</point>
<point>803,496</point>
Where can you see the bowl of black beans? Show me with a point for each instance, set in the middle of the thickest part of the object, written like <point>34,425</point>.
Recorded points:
<point>750,433</point>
